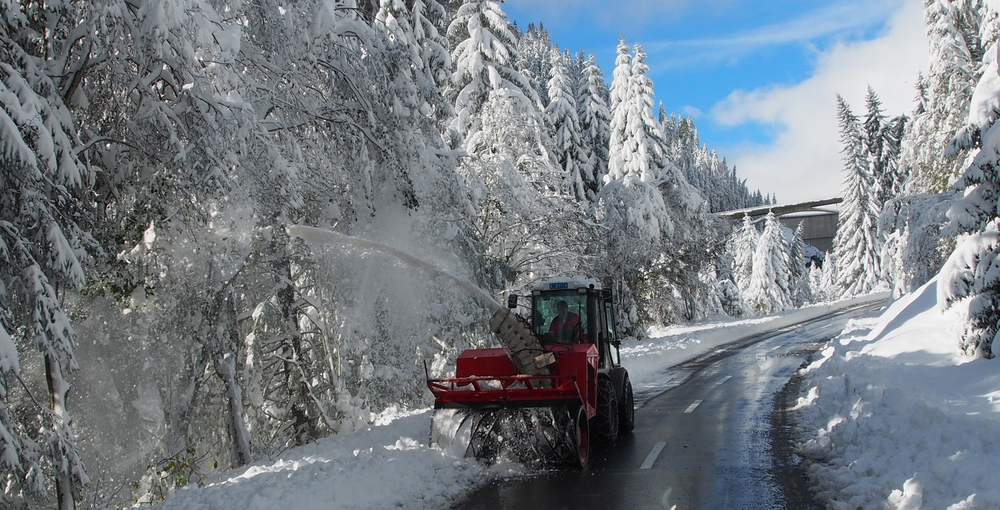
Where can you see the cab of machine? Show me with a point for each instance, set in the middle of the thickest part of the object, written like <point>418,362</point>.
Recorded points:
<point>572,311</point>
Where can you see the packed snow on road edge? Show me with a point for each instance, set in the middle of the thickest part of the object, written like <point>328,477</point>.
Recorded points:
<point>389,465</point>
<point>893,416</point>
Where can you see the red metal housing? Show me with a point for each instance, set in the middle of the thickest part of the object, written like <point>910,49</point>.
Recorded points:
<point>486,378</point>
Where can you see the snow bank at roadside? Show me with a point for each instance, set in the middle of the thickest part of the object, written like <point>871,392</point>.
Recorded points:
<point>892,416</point>
<point>388,465</point>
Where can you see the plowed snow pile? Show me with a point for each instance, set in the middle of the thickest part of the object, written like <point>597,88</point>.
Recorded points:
<point>893,416</point>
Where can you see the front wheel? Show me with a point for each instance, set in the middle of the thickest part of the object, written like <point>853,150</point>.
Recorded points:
<point>582,438</point>
<point>626,409</point>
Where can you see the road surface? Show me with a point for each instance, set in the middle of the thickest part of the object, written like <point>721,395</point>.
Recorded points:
<point>709,441</point>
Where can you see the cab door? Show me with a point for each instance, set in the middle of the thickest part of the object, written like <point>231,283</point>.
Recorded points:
<point>608,320</point>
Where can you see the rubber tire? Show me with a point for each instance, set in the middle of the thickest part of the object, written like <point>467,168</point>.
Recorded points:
<point>605,423</point>
<point>626,411</point>
<point>582,438</point>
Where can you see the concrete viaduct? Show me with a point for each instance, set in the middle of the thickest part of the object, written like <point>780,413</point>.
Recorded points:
<point>819,222</point>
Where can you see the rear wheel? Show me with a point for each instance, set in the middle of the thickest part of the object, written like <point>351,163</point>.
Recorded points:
<point>626,409</point>
<point>605,423</point>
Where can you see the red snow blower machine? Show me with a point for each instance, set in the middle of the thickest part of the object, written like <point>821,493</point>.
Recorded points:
<point>557,381</point>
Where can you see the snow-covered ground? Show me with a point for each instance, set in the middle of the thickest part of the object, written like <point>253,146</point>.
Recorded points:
<point>912,421</point>
<point>899,418</point>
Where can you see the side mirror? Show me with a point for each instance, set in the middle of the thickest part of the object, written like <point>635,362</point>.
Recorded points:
<point>512,301</point>
<point>606,294</point>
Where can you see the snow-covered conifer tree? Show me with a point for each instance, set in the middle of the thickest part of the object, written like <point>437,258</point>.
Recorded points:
<point>484,55</point>
<point>636,146</point>
<point>826,284</point>
<point>651,144</point>
<point>595,125</point>
<point>769,290</point>
<point>881,138</point>
<point>897,174</point>
<point>970,276</point>
<point>742,246</point>
<point>730,299</point>
<point>620,91</point>
<point>798,279</point>
<point>955,54</point>
<point>873,140</point>
<point>857,243</point>
<point>621,76</point>
<point>535,59</point>
<point>43,251</point>
<point>568,150</point>
<point>434,63</point>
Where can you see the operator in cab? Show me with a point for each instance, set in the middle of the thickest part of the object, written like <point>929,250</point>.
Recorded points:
<point>565,326</point>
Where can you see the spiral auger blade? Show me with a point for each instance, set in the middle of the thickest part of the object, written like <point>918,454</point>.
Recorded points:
<point>525,350</point>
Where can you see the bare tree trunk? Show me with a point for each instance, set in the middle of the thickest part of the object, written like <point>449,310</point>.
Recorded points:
<point>179,426</point>
<point>224,338</point>
<point>58,388</point>
<point>295,367</point>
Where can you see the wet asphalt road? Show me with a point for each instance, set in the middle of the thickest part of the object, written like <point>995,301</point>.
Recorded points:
<point>707,441</point>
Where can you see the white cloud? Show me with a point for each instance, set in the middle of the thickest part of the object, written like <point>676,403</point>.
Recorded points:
<point>836,18</point>
<point>804,162</point>
<point>691,111</point>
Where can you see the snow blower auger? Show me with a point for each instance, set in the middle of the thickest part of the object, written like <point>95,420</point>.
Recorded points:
<point>557,380</point>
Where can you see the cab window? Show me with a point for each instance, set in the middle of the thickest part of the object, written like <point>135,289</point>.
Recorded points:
<point>560,317</point>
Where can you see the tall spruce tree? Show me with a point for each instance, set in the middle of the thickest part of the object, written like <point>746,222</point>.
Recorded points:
<point>857,244</point>
<point>636,145</point>
<point>620,92</point>
<point>568,150</point>
<point>44,246</point>
<point>535,59</point>
<point>798,279</point>
<point>742,246</point>
<point>595,125</point>
<point>881,138</point>
<point>955,55</point>
<point>431,59</point>
<point>874,143</point>
<point>484,54</point>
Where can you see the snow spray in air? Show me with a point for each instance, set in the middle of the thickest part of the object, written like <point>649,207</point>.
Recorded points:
<point>522,346</point>
<point>314,235</point>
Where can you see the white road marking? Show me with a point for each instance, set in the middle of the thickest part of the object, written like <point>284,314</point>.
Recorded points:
<point>694,405</point>
<point>723,380</point>
<point>653,454</point>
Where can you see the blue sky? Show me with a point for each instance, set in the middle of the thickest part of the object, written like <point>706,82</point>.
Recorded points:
<point>759,77</point>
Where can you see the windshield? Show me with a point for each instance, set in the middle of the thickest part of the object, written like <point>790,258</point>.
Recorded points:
<point>560,317</point>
